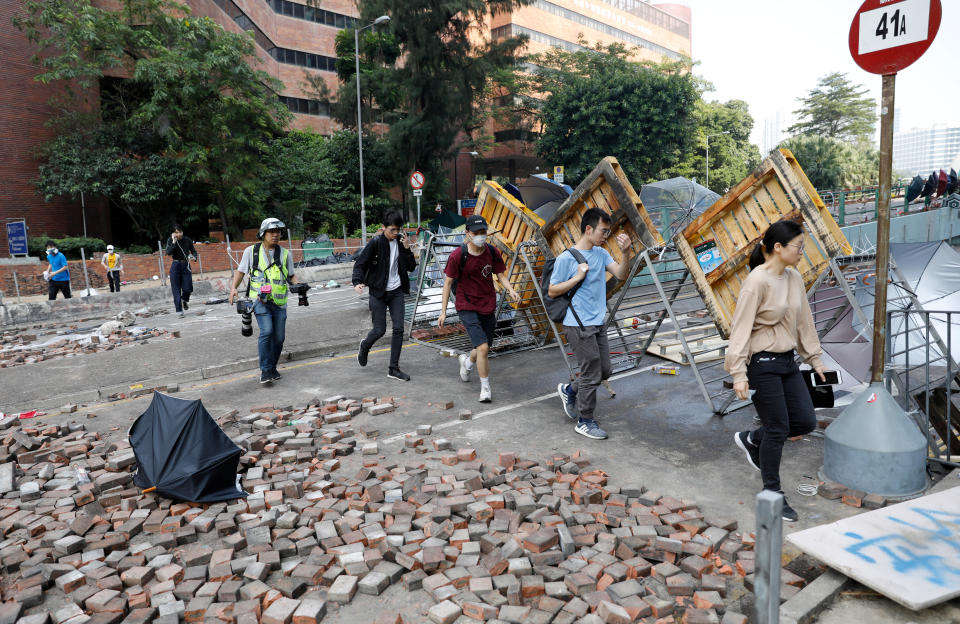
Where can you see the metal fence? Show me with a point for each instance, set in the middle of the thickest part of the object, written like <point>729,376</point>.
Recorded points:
<point>924,377</point>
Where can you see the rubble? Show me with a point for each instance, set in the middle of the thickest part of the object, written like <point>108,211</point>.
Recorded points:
<point>18,349</point>
<point>513,540</point>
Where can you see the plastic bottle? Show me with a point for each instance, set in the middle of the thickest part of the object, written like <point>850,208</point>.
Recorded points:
<point>81,474</point>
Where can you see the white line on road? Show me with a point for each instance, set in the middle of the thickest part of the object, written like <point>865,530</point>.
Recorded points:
<point>507,408</point>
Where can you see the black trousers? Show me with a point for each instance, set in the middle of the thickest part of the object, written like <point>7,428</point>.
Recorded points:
<point>114,278</point>
<point>392,299</point>
<point>55,286</point>
<point>181,283</point>
<point>784,406</point>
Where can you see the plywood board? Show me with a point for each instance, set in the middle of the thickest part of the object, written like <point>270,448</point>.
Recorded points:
<point>909,552</point>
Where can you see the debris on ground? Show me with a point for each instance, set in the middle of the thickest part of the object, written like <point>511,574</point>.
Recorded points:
<point>512,539</point>
<point>126,318</point>
<point>18,349</point>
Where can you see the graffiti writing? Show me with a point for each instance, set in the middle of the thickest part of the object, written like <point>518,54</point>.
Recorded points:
<point>930,546</point>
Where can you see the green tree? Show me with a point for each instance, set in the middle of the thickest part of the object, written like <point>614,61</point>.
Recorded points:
<point>425,73</point>
<point>194,83</point>
<point>600,103</point>
<point>833,164</point>
<point>836,109</point>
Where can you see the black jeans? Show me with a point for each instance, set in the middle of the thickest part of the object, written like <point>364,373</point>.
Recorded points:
<point>55,286</point>
<point>590,348</point>
<point>114,278</point>
<point>181,283</point>
<point>392,299</point>
<point>784,406</point>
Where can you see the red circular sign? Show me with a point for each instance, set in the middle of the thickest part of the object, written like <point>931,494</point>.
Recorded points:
<point>887,36</point>
<point>417,180</point>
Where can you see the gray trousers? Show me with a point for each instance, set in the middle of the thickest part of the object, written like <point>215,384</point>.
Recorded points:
<point>593,355</point>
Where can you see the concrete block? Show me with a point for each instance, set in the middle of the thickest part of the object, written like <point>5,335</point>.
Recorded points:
<point>445,612</point>
<point>343,589</point>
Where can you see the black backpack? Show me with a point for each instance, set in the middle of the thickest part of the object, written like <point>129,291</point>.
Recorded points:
<point>463,263</point>
<point>557,308</point>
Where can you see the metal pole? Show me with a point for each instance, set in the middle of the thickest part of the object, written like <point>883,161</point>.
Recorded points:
<point>163,274</point>
<point>418,211</point>
<point>200,262</point>
<point>83,211</point>
<point>86,277</point>
<point>456,180</point>
<point>344,226</point>
<point>883,226</point>
<point>363,208</point>
<point>769,538</point>
<point>16,286</point>
<point>708,162</point>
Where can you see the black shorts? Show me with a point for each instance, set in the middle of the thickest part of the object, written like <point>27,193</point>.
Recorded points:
<point>479,327</point>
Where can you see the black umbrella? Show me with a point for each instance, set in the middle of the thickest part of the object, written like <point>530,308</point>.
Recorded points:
<point>930,186</point>
<point>913,191</point>
<point>183,454</point>
<point>954,185</point>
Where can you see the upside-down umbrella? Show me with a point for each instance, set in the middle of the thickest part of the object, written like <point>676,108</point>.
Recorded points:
<point>913,191</point>
<point>183,454</point>
<point>942,183</point>
<point>679,200</point>
<point>954,185</point>
<point>930,186</point>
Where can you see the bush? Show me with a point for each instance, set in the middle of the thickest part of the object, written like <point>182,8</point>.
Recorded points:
<point>138,249</point>
<point>69,246</point>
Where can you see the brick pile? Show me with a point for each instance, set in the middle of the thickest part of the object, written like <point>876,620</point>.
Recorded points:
<point>508,541</point>
<point>454,329</point>
<point>15,349</point>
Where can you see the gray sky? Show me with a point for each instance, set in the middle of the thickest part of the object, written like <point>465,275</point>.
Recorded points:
<point>770,52</point>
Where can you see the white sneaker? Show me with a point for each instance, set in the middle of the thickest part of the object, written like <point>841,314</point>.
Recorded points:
<point>485,394</point>
<point>464,368</point>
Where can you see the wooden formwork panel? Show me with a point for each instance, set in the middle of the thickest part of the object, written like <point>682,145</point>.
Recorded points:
<point>510,222</point>
<point>608,189</point>
<point>777,189</point>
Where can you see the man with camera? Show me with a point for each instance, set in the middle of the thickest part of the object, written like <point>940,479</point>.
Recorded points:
<point>384,266</point>
<point>270,268</point>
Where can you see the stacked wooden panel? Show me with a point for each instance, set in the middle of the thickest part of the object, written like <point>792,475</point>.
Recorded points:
<point>608,189</point>
<point>777,190</point>
<point>510,222</point>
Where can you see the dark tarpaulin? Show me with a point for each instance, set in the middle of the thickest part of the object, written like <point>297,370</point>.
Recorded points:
<point>182,452</point>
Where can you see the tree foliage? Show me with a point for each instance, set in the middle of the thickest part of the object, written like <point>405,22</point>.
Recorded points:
<point>836,109</point>
<point>194,105</point>
<point>600,103</point>
<point>833,164</point>
<point>426,72</point>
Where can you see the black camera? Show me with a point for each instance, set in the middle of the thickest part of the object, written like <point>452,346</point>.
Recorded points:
<point>245,310</point>
<point>301,291</point>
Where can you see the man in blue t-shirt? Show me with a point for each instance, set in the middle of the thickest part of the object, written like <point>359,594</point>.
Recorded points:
<point>583,324</point>
<point>58,273</point>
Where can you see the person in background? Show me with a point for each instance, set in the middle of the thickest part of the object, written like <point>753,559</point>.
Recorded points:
<point>771,320</point>
<point>181,249</point>
<point>113,266</point>
<point>58,273</point>
<point>384,267</point>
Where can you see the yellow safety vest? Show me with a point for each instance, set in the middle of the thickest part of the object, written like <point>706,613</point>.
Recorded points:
<point>112,260</point>
<point>274,275</point>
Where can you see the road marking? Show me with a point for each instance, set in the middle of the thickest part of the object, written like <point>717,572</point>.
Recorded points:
<point>507,408</point>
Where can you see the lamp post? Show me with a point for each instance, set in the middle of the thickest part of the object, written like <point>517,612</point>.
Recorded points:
<point>383,19</point>
<point>456,178</point>
<point>708,153</point>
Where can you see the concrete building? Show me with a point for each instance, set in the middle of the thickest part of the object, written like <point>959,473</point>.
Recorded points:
<point>924,150</point>
<point>658,31</point>
<point>293,41</point>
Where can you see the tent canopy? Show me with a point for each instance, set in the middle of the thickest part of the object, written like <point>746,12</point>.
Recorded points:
<point>183,453</point>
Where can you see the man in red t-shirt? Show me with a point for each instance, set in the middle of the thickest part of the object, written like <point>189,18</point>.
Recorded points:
<point>476,297</point>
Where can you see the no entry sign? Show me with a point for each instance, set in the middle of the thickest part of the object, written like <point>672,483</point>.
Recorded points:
<point>417,180</point>
<point>888,35</point>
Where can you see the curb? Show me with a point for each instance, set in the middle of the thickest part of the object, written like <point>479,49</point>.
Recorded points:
<point>102,394</point>
<point>814,598</point>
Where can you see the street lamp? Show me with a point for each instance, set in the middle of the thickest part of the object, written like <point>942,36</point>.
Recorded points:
<point>383,19</point>
<point>456,178</point>
<point>708,153</point>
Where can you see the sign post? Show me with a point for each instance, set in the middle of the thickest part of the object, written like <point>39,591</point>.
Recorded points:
<point>558,174</point>
<point>417,180</point>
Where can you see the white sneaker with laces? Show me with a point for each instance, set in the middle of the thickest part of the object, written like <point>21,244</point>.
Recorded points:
<point>485,396</point>
<point>464,367</point>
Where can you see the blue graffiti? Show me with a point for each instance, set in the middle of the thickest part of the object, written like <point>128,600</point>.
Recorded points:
<point>920,554</point>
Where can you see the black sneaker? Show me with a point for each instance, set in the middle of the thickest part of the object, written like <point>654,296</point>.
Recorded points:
<point>396,373</point>
<point>275,375</point>
<point>362,354</point>
<point>266,378</point>
<point>742,439</point>
<point>185,304</point>
<point>789,513</point>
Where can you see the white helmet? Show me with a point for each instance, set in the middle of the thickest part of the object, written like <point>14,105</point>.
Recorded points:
<point>270,223</point>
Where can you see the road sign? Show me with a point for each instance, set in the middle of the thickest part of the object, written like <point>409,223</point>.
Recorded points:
<point>17,238</point>
<point>887,36</point>
<point>417,192</point>
<point>417,180</point>
<point>558,174</point>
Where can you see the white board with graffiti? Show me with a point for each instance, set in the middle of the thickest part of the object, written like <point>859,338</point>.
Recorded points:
<point>909,552</point>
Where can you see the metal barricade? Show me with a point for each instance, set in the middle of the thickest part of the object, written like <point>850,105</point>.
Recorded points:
<point>922,374</point>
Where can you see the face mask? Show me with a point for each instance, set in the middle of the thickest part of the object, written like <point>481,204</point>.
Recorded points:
<point>479,239</point>
<point>52,252</point>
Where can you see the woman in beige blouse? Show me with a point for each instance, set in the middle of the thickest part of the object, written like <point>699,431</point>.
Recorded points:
<point>771,321</point>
